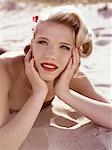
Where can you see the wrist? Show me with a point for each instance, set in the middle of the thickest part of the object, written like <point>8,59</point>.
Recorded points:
<point>40,89</point>
<point>64,95</point>
<point>40,93</point>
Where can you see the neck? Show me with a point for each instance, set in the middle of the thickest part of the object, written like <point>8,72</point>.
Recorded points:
<point>50,84</point>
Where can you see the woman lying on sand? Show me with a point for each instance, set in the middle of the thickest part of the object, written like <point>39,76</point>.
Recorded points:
<point>49,67</point>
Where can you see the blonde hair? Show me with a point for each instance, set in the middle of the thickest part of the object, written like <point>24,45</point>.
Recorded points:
<point>69,16</point>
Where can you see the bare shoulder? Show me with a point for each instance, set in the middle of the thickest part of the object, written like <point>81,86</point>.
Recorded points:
<point>3,70</point>
<point>4,89</point>
<point>5,79</point>
<point>9,62</point>
<point>78,81</point>
<point>84,86</point>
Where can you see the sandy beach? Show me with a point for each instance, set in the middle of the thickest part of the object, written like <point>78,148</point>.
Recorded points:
<point>60,127</point>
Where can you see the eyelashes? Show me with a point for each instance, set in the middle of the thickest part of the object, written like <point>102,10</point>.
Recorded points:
<point>65,48</point>
<point>42,42</point>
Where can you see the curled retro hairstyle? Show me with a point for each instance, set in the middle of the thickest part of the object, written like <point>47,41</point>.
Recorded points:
<point>68,15</point>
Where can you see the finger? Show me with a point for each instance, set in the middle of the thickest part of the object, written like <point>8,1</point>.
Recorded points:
<point>68,67</point>
<point>28,67</point>
<point>75,61</point>
<point>28,56</point>
<point>32,62</point>
<point>32,67</point>
<point>76,58</point>
<point>69,64</point>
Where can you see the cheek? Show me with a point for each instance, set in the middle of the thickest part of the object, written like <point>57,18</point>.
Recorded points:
<point>65,59</point>
<point>37,53</point>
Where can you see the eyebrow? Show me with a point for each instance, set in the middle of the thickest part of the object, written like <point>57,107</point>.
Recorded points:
<point>43,38</point>
<point>66,43</point>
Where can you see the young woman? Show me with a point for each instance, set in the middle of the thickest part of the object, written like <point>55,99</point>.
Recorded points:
<point>49,67</point>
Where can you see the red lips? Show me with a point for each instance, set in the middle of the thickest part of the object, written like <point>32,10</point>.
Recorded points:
<point>49,66</point>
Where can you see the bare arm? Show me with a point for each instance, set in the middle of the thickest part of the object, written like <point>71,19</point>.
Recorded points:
<point>14,132</point>
<point>88,101</point>
<point>85,87</point>
<point>96,111</point>
<point>85,98</point>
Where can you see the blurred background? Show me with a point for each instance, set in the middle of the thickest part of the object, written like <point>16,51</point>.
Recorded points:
<point>16,32</point>
<point>58,2</point>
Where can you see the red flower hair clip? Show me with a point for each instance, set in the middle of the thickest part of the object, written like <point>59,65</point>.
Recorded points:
<point>35,18</point>
<point>33,28</point>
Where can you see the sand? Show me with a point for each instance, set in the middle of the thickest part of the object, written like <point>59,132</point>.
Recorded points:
<point>59,127</point>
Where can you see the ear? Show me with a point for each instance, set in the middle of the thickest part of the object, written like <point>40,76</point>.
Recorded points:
<point>86,49</point>
<point>26,49</point>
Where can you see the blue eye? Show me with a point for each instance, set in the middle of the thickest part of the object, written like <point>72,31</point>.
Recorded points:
<point>65,47</point>
<point>42,42</point>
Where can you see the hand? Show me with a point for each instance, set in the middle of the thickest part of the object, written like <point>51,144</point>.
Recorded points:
<point>38,85</point>
<point>62,82</point>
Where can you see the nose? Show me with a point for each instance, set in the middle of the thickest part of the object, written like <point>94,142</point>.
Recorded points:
<point>50,54</point>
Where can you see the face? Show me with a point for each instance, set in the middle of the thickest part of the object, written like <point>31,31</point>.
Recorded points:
<point>52,49</point>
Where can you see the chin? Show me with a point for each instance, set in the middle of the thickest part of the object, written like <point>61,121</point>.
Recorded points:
<point>47,77</point>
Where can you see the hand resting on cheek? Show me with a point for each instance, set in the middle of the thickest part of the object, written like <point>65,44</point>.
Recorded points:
<point>37,83</point>
<point>63,81</point>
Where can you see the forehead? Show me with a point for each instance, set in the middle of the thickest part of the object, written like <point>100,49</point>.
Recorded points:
<point>55,30</point>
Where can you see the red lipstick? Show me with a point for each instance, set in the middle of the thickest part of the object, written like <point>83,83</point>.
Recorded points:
<point>49,67</point>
